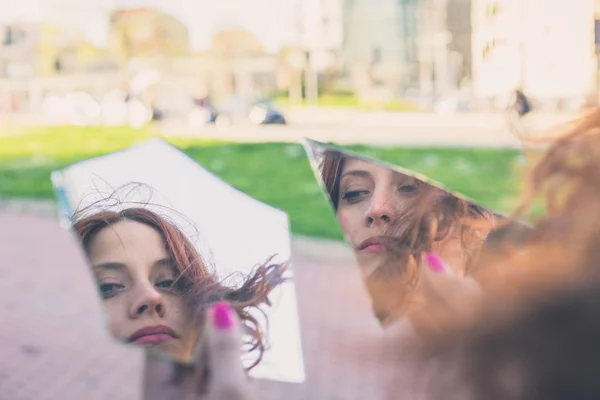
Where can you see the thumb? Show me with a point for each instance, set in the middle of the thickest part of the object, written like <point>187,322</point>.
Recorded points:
<point>228,377</point>
<point>165,379</point>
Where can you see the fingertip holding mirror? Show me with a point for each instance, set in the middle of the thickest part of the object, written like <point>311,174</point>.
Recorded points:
<point>394,219</point>
<point>166,240</point>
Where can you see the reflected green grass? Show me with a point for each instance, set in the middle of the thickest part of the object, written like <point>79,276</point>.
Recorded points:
<point>278,174</point>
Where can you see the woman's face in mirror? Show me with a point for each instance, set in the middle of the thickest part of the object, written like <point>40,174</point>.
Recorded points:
<point>138,283</point>
<point>373,204</point>
<point>371,198</point>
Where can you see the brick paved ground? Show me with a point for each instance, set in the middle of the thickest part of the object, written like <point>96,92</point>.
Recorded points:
<point>53,344</point>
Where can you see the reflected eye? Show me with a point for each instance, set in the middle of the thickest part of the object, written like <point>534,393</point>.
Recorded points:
<point>110,289</point>
<point>354,195</point>
<point>167,284</point>
<point>408,188</point>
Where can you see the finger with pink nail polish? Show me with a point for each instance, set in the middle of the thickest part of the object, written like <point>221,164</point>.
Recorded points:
<point>435,263</point>
<point>227,374</point>
<point>222,315</point>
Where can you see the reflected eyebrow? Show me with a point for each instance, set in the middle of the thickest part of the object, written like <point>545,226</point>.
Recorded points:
<point>402,178</point>
<point>359,173</point>
<point>110,265</point>
<point>164,262</point>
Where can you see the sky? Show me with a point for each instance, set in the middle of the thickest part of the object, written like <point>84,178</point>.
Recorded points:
<point>273,22</point>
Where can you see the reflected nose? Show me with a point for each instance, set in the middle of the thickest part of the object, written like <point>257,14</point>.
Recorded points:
<point>382,208</point>
<point>148,302</point>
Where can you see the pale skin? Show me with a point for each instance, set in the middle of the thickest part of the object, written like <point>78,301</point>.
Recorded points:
<point>135,277</point>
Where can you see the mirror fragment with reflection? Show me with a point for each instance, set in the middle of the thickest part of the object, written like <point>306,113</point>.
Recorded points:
<point>393,217</point>
<point>166,239</point>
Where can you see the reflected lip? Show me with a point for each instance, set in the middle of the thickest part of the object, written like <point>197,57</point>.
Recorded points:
<point>374,244</point>
<point>153,334</point>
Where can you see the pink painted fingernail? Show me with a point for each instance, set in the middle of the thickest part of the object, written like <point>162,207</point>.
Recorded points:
<point>222,316</point>
<point>435,263</point>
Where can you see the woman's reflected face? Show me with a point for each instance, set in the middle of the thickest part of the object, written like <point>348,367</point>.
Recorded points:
<point>138,282</point>
<point>372,206</point>
<point>371,198</point>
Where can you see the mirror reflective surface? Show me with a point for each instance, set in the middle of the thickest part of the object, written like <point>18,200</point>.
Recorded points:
<point>165,240</point>
<point>393,217</point>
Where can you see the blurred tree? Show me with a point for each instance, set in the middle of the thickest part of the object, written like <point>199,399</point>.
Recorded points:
<point>146,33</point>
<point>236,43</point>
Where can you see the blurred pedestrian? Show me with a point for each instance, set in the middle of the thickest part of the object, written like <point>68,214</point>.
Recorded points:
<point>530,332</point>
<point>521,104</point>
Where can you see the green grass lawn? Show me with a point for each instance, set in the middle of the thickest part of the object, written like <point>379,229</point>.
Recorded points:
<point>278,174</point>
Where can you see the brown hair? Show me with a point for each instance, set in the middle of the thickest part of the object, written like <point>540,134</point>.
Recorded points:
<point>537,334</point>
<point>431,218</point>
<point>199,286</point>
<point>565,241</point>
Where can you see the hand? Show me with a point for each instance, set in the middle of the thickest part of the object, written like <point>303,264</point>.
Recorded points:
<point>442,299</point>
<point>218,373</point>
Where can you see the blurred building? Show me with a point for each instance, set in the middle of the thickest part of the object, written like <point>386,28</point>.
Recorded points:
<point>40,59</point>
<point>236,65</point>
<point>458,21</point>
<point>320,27</point>
<point>444,46</point>
<point>380,46</point>
<point>405,47</point>
<point>432,44</point>
<point>19,61</point>
<point>39,49</point>
<point>64,54</point>
<point>19,51</point>
<point>545,46</point>
<point>32,57</point>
